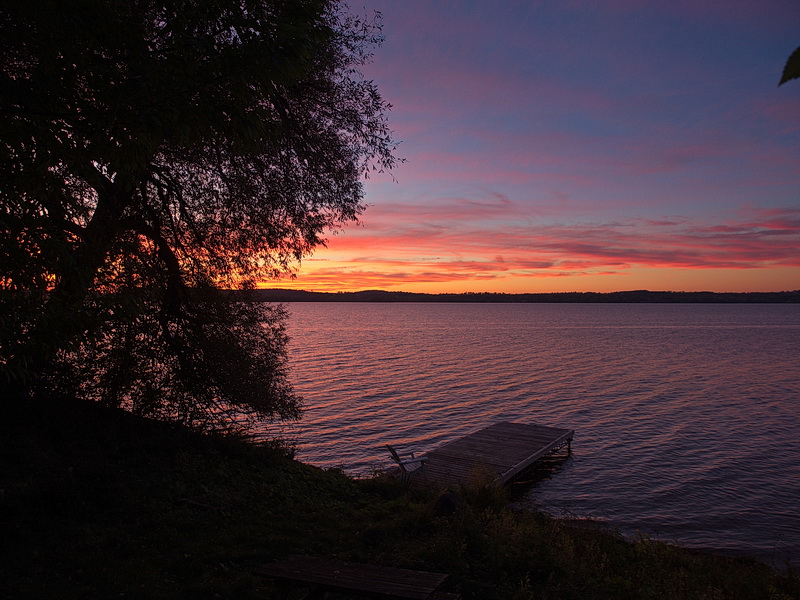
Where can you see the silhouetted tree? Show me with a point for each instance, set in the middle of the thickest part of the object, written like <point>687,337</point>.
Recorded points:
<point>154,151</point>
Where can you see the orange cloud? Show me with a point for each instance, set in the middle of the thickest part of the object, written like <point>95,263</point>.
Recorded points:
<point>465,245</point>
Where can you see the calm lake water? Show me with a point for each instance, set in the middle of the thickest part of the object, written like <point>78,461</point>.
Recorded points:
<point>686,417</point>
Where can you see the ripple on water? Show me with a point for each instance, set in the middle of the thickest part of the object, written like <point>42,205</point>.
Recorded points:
<point>686,416</point>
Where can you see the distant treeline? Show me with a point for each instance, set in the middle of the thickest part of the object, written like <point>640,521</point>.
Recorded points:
<point>640,296</point>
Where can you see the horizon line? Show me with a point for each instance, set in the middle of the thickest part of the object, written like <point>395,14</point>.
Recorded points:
<point>490,293</point>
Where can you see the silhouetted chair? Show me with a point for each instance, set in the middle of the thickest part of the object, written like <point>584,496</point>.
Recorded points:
<point>402,462</point>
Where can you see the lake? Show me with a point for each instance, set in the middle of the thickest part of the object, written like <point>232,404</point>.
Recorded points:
<point>686,417</point>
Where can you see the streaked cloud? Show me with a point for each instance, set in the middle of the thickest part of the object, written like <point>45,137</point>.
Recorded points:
<point>394,252</point>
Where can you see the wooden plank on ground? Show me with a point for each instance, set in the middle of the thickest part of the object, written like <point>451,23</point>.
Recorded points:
<point>338,576</point>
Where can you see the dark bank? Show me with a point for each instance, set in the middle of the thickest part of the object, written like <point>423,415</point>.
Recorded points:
<point>100,503</point>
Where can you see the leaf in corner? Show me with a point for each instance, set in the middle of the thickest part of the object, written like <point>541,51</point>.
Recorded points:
<point>792,68</point>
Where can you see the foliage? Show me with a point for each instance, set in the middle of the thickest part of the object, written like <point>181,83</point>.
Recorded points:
<point>165,513</point>
<point>196,367</point>
<point>152,151</point>
<point>792,68</point>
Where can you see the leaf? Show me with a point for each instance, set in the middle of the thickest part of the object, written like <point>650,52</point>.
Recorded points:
<point>792,68</point>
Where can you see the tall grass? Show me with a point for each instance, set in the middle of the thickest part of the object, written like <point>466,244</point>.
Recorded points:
<point>98,504</point>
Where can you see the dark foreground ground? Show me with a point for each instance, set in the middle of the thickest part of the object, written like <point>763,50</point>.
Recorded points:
<point>100,504</point>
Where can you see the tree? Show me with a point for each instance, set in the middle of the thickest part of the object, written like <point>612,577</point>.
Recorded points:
<point>153,152</point>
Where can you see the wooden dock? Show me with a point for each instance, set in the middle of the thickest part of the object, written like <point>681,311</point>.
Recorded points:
<point>501,451</point>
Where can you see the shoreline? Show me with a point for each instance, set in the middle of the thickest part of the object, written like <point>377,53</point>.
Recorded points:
<point>100,503</point>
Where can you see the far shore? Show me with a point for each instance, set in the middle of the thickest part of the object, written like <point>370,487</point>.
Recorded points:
<point>632,297</point>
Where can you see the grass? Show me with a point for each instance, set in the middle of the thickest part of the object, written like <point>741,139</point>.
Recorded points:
<point>100,504</point>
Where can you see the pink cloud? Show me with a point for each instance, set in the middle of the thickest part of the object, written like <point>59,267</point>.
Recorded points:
<point>463,249</point>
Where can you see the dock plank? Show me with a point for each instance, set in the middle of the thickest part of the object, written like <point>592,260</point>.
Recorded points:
<point>501,451</point>
<point>327,575</point>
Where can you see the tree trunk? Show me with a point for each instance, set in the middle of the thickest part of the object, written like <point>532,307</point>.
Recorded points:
<point>62,321</point>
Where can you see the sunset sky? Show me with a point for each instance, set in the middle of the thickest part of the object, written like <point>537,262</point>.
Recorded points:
<point>580,146</point>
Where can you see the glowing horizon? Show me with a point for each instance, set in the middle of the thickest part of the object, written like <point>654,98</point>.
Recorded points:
<point>567,147</point>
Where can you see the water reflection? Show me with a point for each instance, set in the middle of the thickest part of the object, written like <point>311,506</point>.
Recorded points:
<point>686,416</point>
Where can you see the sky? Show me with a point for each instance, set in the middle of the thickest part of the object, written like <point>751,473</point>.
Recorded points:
<point>566,145</point>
